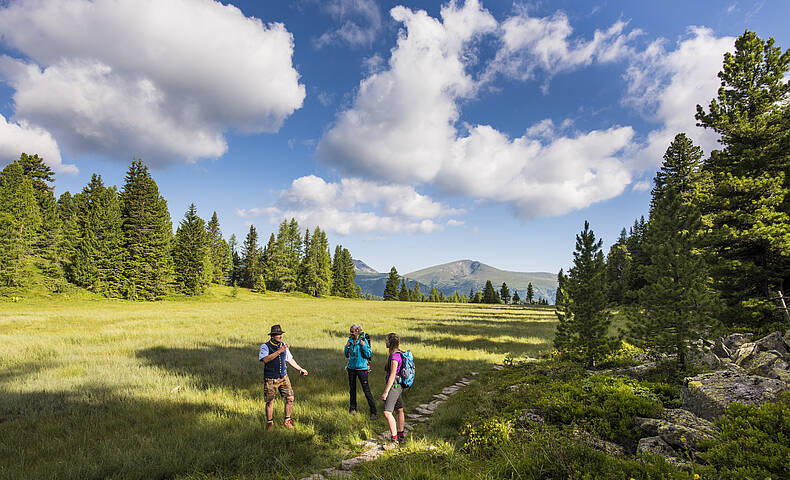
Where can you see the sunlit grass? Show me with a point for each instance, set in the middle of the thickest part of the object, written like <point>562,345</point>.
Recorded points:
<point>95,388</point>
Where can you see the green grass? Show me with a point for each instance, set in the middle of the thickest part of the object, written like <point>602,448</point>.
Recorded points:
<point>97,388</point>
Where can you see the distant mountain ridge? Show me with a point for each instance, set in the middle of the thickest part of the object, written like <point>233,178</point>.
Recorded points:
<point>362,267</point>
<point>463,275</point>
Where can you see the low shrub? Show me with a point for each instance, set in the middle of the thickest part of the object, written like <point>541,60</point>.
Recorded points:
<point>754,441</point>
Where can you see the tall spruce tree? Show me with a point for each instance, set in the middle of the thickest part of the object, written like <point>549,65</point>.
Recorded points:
<point>504,293</point>
<point>516,298</point>
<point>97,261</point>
<point>48,242</point>
<point>235,272</point>
<point>416,294</point>
<point>434,295</point>
<point>349,275</point>
<point>192,254</point>
<point>489,294</point>
<point>530,295</point>
<point>583,320</point>
<point>618,270</point>
<point>220,254</point>
<point>559,296</point>
<point>403,293</point>
<point>746,207</point>
<point>338,273</point>
<point>20,220</point>
<point>391,287</point>
<point>675,306</point>
<point>250,258</point>
<point>147,235</point>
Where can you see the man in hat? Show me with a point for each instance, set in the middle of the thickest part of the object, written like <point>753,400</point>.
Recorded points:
<point>276,355</point>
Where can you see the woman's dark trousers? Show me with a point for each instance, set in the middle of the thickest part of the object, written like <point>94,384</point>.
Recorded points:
<point>352,389</point>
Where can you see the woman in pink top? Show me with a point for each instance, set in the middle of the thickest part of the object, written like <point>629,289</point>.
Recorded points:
<point>393,390</point>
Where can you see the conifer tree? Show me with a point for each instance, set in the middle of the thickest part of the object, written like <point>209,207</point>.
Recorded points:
<point>403,294</point>
<point>504,293</point>
<point>307,279</point>
<point>338,273</point>
<point>317,265</point>
<point>349,275</point>
<point>97,261</point>
<point>68,222</point>
<point>471,294</point>
<point>455,298</point>
<point>391,287</point>
<point>747,203</point>
<point>676,304</point>
<point>618,272</point>
<point>489,294</point>
<point>530,293</point>
<point>192,254</point>
<point>559,295</point>
<point>20,221</point>
<point>416,294</point>
<point>235,272</point>
<point>434,295</point>
<point>250,258</point>
<point>220,254</point>
<point>147,234</point>
<point>516,298</point>
<point>583,321</point>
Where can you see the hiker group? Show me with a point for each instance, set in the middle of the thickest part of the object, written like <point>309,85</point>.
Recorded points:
<point>399,370</point>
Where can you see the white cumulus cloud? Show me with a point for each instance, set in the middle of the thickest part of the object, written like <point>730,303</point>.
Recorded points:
<point>355,206</point>
<point>667,85</point>
<point>161,80</point>
<point>361,22</point>
<point>402,127</point>
<point>18,138</point>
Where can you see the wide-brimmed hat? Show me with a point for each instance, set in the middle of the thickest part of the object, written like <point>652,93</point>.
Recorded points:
<point>276,330</point>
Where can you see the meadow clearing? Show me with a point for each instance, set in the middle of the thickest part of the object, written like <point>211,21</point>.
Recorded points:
<point>97,388</point>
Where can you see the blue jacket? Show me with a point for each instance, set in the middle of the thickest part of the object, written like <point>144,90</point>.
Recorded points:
<point>357,354</point>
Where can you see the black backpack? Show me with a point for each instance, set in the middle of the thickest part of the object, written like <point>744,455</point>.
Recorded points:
<point>367,340</point>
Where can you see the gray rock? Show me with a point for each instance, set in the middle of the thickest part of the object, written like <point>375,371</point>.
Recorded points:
<point>528,417</point>
<point>752,355</point>
<point>734,341</point>
<point>707,358</point>
<point>677,424</point>
<point>707,395</point>
<point>655,446</point>
<point>721,350</point>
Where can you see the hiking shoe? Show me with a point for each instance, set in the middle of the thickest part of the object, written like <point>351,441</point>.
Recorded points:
<point>373,416</point>
<point>270,425</point>
<point>289,423</point>
<point>391,444</point>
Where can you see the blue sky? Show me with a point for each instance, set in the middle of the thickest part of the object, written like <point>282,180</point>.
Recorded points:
<point>415,133</point>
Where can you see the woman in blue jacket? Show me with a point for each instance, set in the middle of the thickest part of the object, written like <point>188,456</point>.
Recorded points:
<point>358,352</point>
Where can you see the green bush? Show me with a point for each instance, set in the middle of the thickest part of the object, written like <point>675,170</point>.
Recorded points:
<point>754,442</point>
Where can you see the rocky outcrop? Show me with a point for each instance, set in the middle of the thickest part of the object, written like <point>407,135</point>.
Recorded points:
<point>679,428</point>
<point>707,395</point>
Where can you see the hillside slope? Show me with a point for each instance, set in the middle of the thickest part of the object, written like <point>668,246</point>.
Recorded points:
<point>463,275</point>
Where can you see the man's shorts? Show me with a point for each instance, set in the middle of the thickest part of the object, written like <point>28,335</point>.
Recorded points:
<point>274,385</point>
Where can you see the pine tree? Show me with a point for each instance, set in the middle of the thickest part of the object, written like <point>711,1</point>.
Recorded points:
<point>434,295</point>
<point>559,296</point>
<point>516,298</point>
<point>489,294</point>
<point>403,294</point>
<point>48,242</point>
<point>20,221</point>
<point>147,234</point>
<point>192,254</point>
<point>307,278</point>
<point>416,294</point>
<point>317,265</point>
<point>349,275</point>
<point>676,304</point>
<point>471,294</point>
<point>220,254</point>
<point>747,205</point>
<point>97,260</point>
<point>583,320</point>
<point>68,220</point>
<point>235,272</point>
<point>504,293</point>
<point>250,258</point>
<point>618,272</point>
<point>391,287</point>
<point>338,273</point>
<point>530,293</point>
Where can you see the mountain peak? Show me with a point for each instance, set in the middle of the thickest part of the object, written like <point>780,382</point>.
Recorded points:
<point>362,267</point>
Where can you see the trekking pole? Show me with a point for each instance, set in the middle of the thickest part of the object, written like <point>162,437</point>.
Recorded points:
<point>783,306</point>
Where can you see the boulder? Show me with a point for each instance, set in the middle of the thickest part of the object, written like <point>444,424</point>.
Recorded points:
<point>750,355</point>
<point>598,443</point>
<point>676,425</point>
<point>734,341</point>
<point>655,446</point>
<point>707,358</point>
<point>707,395</point>
<point>721,350</point>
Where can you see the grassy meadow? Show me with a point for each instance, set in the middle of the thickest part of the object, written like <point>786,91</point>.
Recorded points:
<point>97,388</point>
